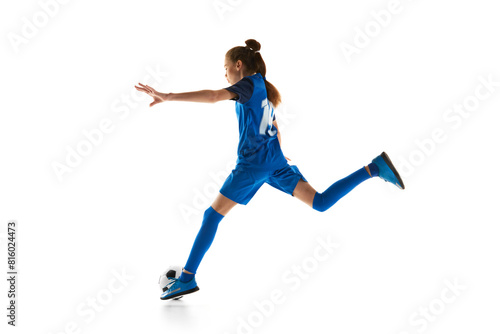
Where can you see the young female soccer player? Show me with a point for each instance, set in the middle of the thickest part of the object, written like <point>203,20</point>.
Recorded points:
<point>260,159</point>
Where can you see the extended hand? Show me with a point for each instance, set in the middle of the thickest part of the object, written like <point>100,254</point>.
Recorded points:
<point>157,96</point>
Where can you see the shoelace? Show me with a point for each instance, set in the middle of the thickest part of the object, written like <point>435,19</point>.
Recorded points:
<point>168,285</point>
<point>175,280</point>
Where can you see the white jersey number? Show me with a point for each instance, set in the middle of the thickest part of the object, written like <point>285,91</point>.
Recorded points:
<point>266,123</point>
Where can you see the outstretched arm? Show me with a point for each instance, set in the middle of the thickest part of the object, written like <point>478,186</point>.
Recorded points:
<point>206,96</point>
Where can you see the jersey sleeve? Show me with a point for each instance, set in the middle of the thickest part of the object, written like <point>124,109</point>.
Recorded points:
<point>244,90</point>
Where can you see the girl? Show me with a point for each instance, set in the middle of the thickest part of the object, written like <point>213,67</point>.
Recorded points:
<point>260,159</point>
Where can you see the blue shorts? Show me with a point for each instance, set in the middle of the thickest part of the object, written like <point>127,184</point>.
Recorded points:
<point>242,184</point>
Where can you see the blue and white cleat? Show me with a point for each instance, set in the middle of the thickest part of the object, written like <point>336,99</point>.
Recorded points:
<point>178,289</point>
<point>387,171</point>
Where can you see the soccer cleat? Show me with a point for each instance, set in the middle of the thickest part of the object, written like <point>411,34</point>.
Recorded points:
<point>387,171</point>
<point>178,289</point>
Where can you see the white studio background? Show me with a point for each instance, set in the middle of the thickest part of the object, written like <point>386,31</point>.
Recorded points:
<point>418,79</point>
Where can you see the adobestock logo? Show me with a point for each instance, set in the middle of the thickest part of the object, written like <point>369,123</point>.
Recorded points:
<point>89,309</point>
<point>429,313</point>
<point>223,6</point>
<point>453,117</point>
<point>363,36</point>
<point>294,278</point>
<point>204,196</point>
<point>31,28</point>
<point>95,137</point>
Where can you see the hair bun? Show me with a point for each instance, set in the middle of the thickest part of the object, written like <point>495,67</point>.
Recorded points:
<point>253,44</point>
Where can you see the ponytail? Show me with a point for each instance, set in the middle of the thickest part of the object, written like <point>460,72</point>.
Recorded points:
<point>251,57</point>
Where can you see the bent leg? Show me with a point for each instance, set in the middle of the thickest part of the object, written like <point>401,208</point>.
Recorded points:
<point>211,219</point>
<point>323,201</point>
<point>223,205</point>
<point>304,192</point>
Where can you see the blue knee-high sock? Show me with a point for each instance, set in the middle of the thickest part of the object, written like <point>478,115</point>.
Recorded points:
<point>206,235</point>
<point>323,201</point>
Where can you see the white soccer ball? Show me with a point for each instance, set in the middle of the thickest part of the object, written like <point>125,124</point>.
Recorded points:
<point>166,278</point>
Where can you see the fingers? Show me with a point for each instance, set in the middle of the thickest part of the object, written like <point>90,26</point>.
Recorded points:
<point>140,89</point>
<point>145,88</point>
<point>151,89</point>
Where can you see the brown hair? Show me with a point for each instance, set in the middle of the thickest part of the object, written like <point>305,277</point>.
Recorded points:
<point>253,61</point>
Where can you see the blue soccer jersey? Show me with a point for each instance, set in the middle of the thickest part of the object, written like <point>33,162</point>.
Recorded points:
<point>258,146</point>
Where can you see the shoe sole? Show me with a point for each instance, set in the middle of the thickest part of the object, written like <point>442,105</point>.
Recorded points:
<point>393,169</point>
<point>180,294</point>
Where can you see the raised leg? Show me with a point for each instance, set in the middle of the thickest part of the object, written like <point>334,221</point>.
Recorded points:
<point>323,201</point>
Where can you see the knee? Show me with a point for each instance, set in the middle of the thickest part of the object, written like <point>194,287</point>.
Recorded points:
<point>320,208</point>
<point>211,216</point>
<point>318,203</point>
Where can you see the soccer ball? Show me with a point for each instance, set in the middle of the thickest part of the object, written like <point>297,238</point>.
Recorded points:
<point>166,279</point>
